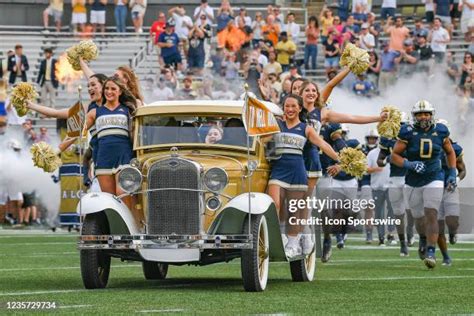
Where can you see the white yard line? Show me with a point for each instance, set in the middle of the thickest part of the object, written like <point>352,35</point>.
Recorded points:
<point>161,311</point>
<point>39,254</point>
<point>63,268</point>
<point>74,306</point>
<point>403,278</point>
<point>39,243</point>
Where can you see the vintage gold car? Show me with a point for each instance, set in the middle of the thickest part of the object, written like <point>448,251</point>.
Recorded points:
<point>202,199</point>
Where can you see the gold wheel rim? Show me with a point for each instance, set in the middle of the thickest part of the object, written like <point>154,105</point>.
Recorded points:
<point>262,252</point>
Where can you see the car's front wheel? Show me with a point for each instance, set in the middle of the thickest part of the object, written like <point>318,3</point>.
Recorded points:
<point>255,261</point>
<point>95,264</point>
<point>154,270</point>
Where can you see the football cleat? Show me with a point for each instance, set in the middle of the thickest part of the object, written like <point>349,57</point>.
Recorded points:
<point>422,249</point>
<point>453,239</point>
<point>368,239</point>
<point>447,261</point>
<point>327,250</point>
<point>411,241</point>
<point>430,260</point>
<point>340,241</point>
<point>307,244</point>
<point>381,242</point>
<point>404,249</point>
<point>391,240</point>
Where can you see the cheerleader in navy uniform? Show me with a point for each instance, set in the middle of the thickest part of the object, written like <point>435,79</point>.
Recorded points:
<point>288,178</point>
<point>112,121</point>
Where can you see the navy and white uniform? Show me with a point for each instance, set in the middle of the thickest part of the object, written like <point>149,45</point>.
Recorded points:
<point>364,182</point>
<point>424,190</point>
<point>397,178</point>
<point>93,142</point>
<point>114,144</point>
<point>289,171</point>
<point>450,202</point>
<point>311,152</point>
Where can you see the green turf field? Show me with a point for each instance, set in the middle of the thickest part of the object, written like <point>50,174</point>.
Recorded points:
<point>359,280</point>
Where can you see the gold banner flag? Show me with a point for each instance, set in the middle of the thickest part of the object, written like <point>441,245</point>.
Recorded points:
<point>75,120</point>
<point>258,119</point>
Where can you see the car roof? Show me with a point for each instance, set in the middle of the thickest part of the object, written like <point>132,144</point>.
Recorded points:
<point>201,106</point>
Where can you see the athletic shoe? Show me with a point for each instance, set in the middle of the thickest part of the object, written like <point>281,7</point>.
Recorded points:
<point>453,239</point>
<point>292,248</point>
<point>391,240</point>
<point>404,249</point>
<point>411,241</point>
<point>430,260</point>
<point>381,242</point>
<point>284,239</point>
<point>10,219</point>
<point>307,244</point>
<point>340,241</point>
<point>327,250</point>
<point>447,261</point>
<point>422,249</point>
<point>368,239</point>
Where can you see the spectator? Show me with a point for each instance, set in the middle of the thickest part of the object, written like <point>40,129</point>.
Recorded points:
<point>429,10</point>
<point>231,67</point>
<point>338,29</point>
<point>273,65</point>
<point>28,208</point>
<point>327,20</point>
<point>98,14</point>
<point>55,9</point>
<point>375,28</point>
<point>398,33</point>
<point>286,90</point>
<point>257,26</point>
<point>291,74</point>
<point>252,70</point>
<point>79,15</point>
<point>467,68</point>
<point>243,18</point>
<point>292,28</point>
<point>169,75</point>
<point>224,15</point>
<point>343,9</point>
<point>272,29</point>
<point>223,92</point>
<point>389,8</point>
<point>311,46</point>
<point>203,9</point>
<point>363,87</point>
<point>331,53</point>
<point>196,53</point>
<point>367,40</point>
<point>285,50</point>
<point>43,136</point>
<point>231,37</point>
<point>168,42</point>
<point>121,15</point>
<point>387,67</point>
<point>408,59</point>
<point>18,65</point>
<point>162,92</point>
<point>187,92</point>
<point>453,73</point>
<point>443,12</point>
<point>29,134</point>
<point>156,29</point>
<point>419,28</point>
<point>274,82</point>
<point>266,45</point>
<point>373,72</point>
<point>359,17</point>
<point>183,24</point>
<point>425,52</point>
<point>351,29</point>
<point>439,38</point>
<point>455,13</point>
<point>138,9</point>
<point>467,18</point>
<point>47,79</point>
<point>360,6</point>
<point>217,57</point>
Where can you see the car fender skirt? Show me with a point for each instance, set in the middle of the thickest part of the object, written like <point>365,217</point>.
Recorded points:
<point>119,216</point>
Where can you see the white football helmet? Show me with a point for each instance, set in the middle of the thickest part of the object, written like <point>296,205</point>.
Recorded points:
<point>423,106</point>
<point>14,144</point>
<point>371,133</point>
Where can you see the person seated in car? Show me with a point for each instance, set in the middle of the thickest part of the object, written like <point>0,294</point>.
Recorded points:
<point>214,135</point>
<point>235,134</point>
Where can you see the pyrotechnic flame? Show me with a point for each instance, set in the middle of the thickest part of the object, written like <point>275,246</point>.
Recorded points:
<point>65,74</point>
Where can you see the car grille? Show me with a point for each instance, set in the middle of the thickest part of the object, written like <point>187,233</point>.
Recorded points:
<point>174,211</point>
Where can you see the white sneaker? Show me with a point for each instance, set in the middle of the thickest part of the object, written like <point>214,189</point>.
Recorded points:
<point>284,239</point>
<point>307,244</point>
<point>293,248</point>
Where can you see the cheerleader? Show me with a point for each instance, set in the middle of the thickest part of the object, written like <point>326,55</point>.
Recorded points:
<point>126,75</point>
<point>112,121</point>
<point>288,178</point>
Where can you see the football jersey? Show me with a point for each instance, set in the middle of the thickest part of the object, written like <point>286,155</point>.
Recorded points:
<point>386,146</point>
<point>365,180</point>
<point>458,151</point>
<point>427,147</point>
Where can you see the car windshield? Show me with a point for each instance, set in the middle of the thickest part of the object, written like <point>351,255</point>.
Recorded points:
<point>184,129</point>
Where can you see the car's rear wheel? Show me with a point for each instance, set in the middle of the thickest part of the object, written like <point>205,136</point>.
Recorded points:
<point>154,270</point>
<point>255,261</point>
<point>303,270</point>
<point>95,264</point>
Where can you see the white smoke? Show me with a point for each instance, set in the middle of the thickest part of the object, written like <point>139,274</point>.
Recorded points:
<point>437,89</point>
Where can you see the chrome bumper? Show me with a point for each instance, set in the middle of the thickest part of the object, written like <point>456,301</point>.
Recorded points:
<point>165,242</point>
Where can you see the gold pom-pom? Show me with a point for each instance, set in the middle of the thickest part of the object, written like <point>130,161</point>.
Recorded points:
<point>45,157</point>
<point>353,162</point>
<point>22,93</point>
<point>391,126</point>
<point>356,58</point>
<point>87,50</point>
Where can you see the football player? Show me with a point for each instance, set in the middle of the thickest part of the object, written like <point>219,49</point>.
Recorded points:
<point>424,141</point>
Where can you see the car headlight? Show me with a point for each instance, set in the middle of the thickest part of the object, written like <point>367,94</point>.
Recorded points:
<point>215,179</point>
<point>130,179</point>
